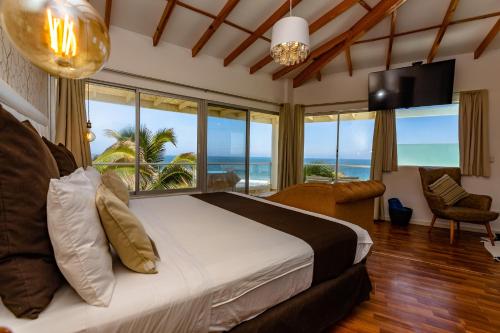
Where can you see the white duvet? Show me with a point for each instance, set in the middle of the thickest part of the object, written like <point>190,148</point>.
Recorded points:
<point>217,270</point>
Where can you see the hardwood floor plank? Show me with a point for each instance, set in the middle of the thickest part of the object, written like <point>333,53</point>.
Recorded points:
<point>424,284</point>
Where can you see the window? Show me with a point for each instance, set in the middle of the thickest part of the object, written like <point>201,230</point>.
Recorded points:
<point>226,149</point>
<point>238,150</point>
<point>169,143</point>
<point>112,113</point>
<point>428,136</point>
<point>354,131</point>
<point>320,147</point>
<point>263,166</point>
<point>355,145</point>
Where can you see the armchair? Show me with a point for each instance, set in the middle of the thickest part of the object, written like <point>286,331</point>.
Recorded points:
<point>473,209</point>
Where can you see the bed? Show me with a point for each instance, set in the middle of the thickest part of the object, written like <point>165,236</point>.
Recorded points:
<point>219,271</point>
<point>229,262</point>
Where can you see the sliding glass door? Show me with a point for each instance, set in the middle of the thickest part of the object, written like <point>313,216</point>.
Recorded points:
<point>159,142</point>
<point>168,140</point>
<point>227,153</point>
<point>338,146</point>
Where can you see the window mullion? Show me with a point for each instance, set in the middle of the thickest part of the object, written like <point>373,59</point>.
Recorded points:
<point>137,138</point>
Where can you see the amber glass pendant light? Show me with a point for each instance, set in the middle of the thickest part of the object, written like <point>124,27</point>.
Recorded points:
<point>66,38</point>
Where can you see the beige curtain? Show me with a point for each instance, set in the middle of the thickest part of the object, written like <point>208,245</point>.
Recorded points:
<point>71,120</point>
<point>473,137</point>
<point>384,151</point>
<point>291,145</point>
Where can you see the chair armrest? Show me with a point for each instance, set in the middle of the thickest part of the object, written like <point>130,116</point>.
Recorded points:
<point>477,201</point>
<point>434,201</point>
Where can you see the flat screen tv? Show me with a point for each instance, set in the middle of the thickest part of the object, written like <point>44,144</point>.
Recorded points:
<point>417,85</point>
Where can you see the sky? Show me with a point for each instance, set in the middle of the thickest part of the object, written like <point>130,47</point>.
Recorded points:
<point>226,137</point>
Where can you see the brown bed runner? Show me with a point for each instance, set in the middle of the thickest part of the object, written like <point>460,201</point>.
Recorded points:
<point>334,244</point>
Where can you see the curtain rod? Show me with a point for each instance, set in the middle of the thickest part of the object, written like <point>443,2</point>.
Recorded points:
<point>138,76</point>
<point>336,103</point>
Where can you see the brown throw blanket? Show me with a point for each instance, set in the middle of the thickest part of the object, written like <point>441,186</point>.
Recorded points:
<point>334,244</point>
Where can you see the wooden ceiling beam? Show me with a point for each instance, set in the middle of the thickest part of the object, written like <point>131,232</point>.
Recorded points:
<point>432,27</point>
<point>314,54</point>
<point>313,27</point>
<point>266,25</point>
<point>442,29</point>
<point>107,13</point>
<point>391,41</point>
<point>487,40</point>
<point>367,22</point>
<point>212,16</point>
<point>348,59</point>
<point>228,7</point>
<point>169,8</point>
<point>365,5</point>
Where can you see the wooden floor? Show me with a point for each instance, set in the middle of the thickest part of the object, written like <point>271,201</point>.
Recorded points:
<point>424,284</point>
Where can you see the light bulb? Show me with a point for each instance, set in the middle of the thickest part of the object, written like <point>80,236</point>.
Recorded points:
<point>90,135</point>
<point>65,38</point>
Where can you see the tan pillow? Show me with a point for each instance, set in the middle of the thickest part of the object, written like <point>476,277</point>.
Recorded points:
<point>125,232</point>
<point>113,182</point>
<point>449,190</point>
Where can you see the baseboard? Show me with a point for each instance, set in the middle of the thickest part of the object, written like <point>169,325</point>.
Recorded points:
<point>446,225</point>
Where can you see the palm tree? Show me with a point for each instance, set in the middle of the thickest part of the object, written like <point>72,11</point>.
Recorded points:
<point>152,176</point>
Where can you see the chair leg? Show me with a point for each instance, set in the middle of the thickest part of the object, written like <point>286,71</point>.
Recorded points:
<point>490,233</point>
<point>452,232</point>
<point>434,217</point>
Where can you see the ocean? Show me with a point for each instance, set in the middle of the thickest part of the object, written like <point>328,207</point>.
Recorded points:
<point>408,154</point>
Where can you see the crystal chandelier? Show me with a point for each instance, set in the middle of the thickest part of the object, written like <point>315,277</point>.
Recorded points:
<point>66,38</point>
<point>290,40</point>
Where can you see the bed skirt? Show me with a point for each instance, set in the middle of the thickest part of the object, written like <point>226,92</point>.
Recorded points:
<point>315,309</point>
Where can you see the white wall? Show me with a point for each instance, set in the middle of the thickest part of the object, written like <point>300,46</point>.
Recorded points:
<point>134,53</point>
<point>470,74</point>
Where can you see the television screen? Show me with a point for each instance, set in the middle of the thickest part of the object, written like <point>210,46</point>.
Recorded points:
<point>417,85</point>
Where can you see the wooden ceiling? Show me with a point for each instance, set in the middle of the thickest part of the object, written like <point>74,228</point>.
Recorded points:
<point>338,27</point>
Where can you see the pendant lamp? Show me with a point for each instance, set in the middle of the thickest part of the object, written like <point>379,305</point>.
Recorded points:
<point>66,38</point>
<point>290,40</point>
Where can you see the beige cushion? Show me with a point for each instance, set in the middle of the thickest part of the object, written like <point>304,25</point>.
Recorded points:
<point>448,189</point>
<point>125,232</point>
<point>116,185</point>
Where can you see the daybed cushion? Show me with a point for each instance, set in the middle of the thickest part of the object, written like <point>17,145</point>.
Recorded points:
<point>125,232</point>
<point>114,183</point>
<point>29,275</point>
<point>80,244</point>
<point>64,158</point>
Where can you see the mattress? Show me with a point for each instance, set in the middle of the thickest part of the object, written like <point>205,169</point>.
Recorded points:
<point>217,270</point>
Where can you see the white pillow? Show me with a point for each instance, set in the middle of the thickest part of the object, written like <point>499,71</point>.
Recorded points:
<point>94,176</point>
<point>80,244</point>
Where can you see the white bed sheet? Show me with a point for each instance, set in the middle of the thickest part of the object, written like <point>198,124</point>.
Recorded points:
<point>240,256</point>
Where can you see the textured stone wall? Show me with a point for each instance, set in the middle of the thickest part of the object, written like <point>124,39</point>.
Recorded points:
<point>29,81</point>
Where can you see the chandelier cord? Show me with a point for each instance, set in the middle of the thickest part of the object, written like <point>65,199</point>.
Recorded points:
<point>290,7</point>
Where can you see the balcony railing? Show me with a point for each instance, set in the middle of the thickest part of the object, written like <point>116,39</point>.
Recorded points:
<point>347,172</point>
<point>260,172</point>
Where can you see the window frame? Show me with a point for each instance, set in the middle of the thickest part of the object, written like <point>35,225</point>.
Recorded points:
<point>454,101</point>
<point>337,148</point>
<point>202,133</point>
